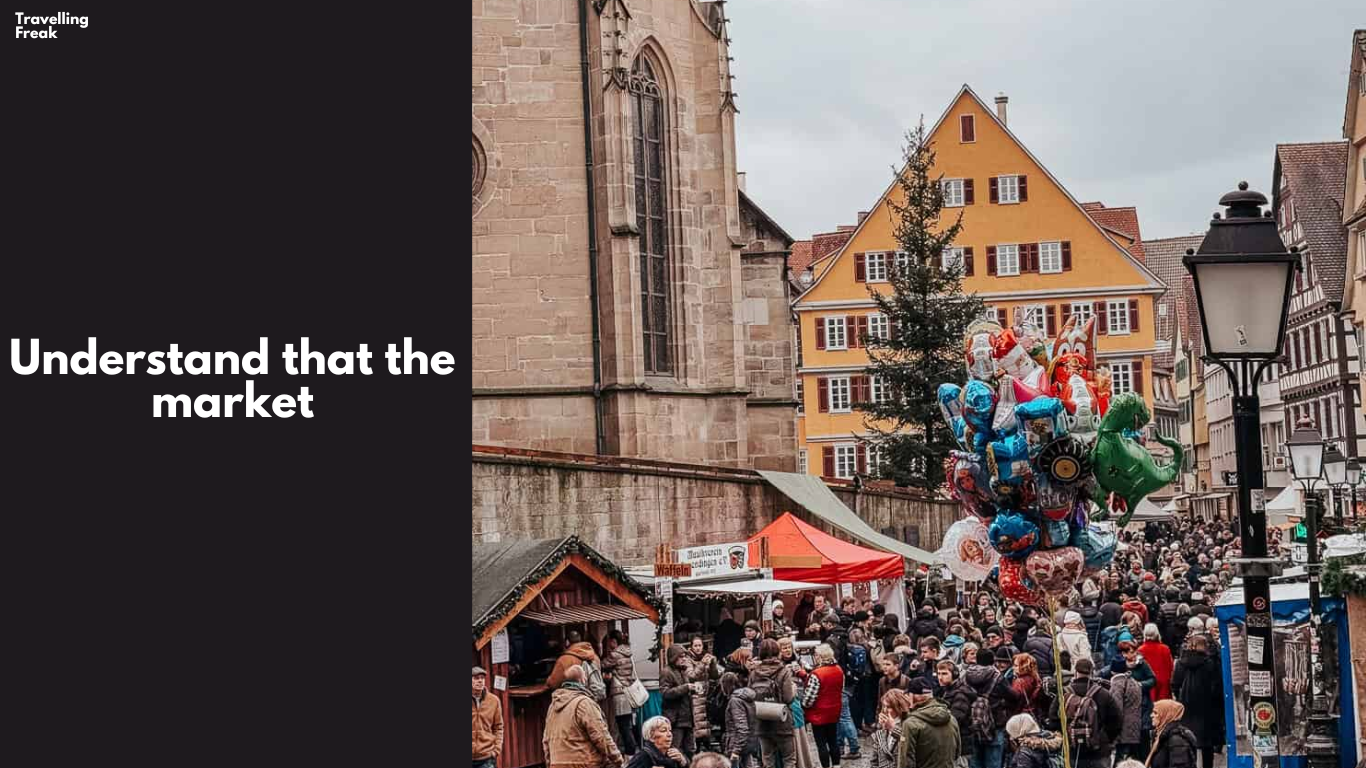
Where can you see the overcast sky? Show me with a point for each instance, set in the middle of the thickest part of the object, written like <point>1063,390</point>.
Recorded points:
<point>1160,104</point>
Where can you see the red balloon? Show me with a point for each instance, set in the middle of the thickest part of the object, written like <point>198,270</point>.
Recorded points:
<point>1011,578</point>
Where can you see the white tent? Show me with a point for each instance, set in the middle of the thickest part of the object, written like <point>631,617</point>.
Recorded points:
<point>1286,505</point>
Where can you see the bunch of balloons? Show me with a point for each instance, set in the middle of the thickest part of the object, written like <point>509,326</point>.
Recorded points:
<point>1046,451</point>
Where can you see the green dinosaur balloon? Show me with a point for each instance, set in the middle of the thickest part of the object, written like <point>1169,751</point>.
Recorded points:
<point>1120,464</point>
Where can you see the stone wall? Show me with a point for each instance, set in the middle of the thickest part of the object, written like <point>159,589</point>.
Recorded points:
<point>625,508</point>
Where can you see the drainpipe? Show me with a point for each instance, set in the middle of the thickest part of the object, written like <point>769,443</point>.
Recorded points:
<point>599,414</point>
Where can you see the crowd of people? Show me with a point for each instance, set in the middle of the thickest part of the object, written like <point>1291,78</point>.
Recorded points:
<point>969,685</point>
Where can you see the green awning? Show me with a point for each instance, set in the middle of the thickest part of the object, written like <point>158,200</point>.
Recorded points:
<point>812,494</point>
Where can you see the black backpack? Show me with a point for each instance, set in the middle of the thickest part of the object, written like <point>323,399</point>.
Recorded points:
<point>1083,718</point>
<point>981,722</point>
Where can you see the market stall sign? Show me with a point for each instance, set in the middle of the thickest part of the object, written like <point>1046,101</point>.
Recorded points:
<point>673,570</point>
<point>716,559</point>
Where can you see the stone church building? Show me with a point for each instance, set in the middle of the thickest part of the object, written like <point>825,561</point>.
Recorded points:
<point>629,299</point>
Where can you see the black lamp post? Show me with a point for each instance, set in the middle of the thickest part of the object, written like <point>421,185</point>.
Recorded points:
<point>1354,480</point>
<point>1335,474</point>
<point>1243,277</point>
<point>1309,463</point>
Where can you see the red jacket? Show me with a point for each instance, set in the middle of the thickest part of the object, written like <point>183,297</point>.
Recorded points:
<point>1159,657</point>
<point>829,699</point>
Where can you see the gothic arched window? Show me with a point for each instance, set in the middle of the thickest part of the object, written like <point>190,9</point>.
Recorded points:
<point>647,117</point>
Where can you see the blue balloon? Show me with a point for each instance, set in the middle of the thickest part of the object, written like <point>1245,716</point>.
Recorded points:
<point>1097,546</point>
<point>1008,460</point>
<point>1013,535</point>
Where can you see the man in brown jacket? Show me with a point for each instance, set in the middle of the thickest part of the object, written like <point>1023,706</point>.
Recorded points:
<point>487,725</point>
<point>576,734</point>
<point>577,652</point>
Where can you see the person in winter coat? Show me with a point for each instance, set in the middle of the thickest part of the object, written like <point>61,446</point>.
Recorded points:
<point>1091,621</point>
<point>989,681</point>
<point>1099,750</point>
<point>1040,646</point>
<point>1028,684</point>
<point>578,652</point>
<point>1159,658</point>
<point>824,713</point>
<point>704,672</point>
<point>620,670</point>
<point>741,739</point>
<point>892,678</point>
<point>929,734</point>
<point>1072,640</point>
<point>676,689</point>
<point>771,680</point>
<point>1129,686</point>
<point>928,624</point>
<point>575,731</point>
<point>887,736</point>
<point>486,721</point>
<point>1173,743</point>
<point>728,634</point>
<point>1198,681</point>
<point>1032,744</point>
<point>656,746</point>
<point>952,647</point>
<point>959,695</point>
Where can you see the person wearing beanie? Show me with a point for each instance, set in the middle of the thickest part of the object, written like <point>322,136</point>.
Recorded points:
<point>1130,681</point>
<point>1098,751</point>
<point>1033,745</point>
<point>1072,640</point>
<point>929,735</point>
<point>780,625</point>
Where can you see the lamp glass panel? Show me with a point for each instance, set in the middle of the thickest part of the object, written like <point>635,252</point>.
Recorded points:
<point>1306,460</point>
<point>1242,306</point>
<point>1335,469</point>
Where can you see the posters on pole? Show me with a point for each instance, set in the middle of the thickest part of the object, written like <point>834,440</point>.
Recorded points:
<point>716,559</point>
<point>1289,684</point>
<point>500,683</point>
<point>872,590</point>
<point>768,607</point>
<point>846,590</point>
<point>499,648</point>
<point>1254,650</point>
<point>664,588</point>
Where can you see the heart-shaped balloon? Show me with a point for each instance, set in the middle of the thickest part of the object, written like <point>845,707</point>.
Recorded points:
<point>1097,546</point>
<point>1055,570</point>
<point>966,550</point>
<point>1014,585</point>
<point>1013,535</point>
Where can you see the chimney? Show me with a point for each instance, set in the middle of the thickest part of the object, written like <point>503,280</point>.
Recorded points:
<point>861,216</point>
<point>1001,100</point>
<point>740,180</point>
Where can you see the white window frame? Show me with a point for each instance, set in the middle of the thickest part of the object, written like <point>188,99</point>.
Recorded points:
<point>1014,250</point>
<point>1014,186</point>
<point>953,193</point>
<point>800,392</point>
<point>1036,315</point>
<point>1083,310</point>
<point>842,386</point>
<point>901,259</point>
<point>873,455</point>
<point>1126,368</point>
<point>802,465</point>
<point>951,256</point>
<point>831,323</point>
<point>846,461</point>
<point>878,259</point>
<point>877,390</point>
<point>879,327</point>
<point>1050,257</point>
<point>1117,317</point>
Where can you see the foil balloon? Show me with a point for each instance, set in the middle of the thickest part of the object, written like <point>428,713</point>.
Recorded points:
<point>1014,585</point>
<point>1024,391</point>
<point>1104,390</point>
<point>968,479</point>
<point>1121,466</point>
<point>1066,461</point>
<point>1077,339</point>
<point>1083,408</point>
<point>1040,421</point>
<point>980,361</point>
<point>1056,533</point>
<point>1097,546</point>
<point>979,402</point>
<point>1008,460</point>
<point>1064,367</point>
<point>1003,422</point>
<point>1056,570</point>
<point>966,550</point>
<point>1013,535</point>
<point>1054,500</point>
<point>1012,358</point>
<point>950,398</point>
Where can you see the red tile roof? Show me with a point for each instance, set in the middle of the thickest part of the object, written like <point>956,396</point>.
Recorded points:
<point>800,256</point>
<point>1316,183</point>
<point>1122,221</point>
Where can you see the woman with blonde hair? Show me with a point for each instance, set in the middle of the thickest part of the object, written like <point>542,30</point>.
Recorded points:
<point>1173,743</point>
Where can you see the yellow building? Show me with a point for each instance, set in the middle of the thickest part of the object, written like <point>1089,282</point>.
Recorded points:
<point>1026,242</point>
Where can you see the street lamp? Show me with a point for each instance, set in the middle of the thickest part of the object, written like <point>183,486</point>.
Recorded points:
<point>1354,473</point>
<point>1335,473</point>
<point>1310,462</point>
<point>1243,277</point>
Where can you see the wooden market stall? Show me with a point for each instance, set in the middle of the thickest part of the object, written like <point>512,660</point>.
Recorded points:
<point>528,595</point>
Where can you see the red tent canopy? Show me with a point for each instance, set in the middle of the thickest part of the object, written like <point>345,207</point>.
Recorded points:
<point>841,562</point>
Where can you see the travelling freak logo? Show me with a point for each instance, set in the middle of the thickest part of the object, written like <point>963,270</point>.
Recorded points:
<point>25,25</point>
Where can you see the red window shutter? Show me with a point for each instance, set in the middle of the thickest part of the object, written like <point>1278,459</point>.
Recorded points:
<point>1001,317</point>
<point>1102,320</point>
<point>822,395</point>
<point>1133,315</point>
<point>1138,376</point>
<point>893,327</point>
<point>861,457</point>
<point>820,332</point>
<point>859,385</point>
<point>1066,255</point>
<point>1064,312</point>
<point>1024,187</point>
<point>967,261</point>
<point>967,192</point>
<point>991,259</point>
<point>1050,314</point>
<point>1033,257</point>
<point>1318,343</point>
<point>967,128</point>
<point>993,194</point>
<point>860,268</point>
<point>827,461</point>
<point>861,327</point>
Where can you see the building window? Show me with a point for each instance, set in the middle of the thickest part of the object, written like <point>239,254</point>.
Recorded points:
<point>951,258</point>
<point>647,108</point>
<point>801,399</point>
<point>878,327</point>
<point>834,333</point>
<point>839,394</point>
<point>874,458</point>
<point>1121,377</point>
<point>875,267</point>
<point>801,461</point>
<point>1033,314</point>
<point>1082,310</point>
<point>880,392</point>
<point>1118,313</point>
<point>903,260</point>
<point>846,461</point>
<point>1007,189</point>
<point>1008,260</point>
<point>1050,258</point>
<point>953,193</point>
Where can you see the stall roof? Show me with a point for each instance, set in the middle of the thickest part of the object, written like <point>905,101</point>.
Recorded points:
<point>816,497</point>
<point>1287,500</point>
<point>579,614</point>
<point>509,575</point>
<point>840,561</point>
<point>749,587</point>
